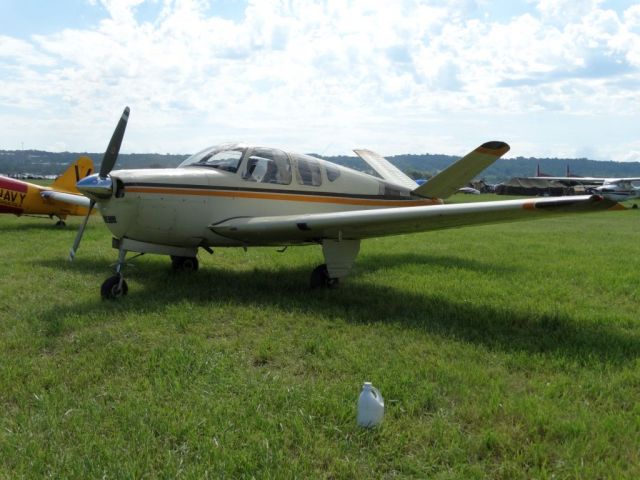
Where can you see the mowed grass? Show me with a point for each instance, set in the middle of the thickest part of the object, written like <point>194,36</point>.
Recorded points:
<point>507,351</point>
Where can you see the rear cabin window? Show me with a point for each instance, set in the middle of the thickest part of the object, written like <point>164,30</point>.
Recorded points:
<point>268,165</point>
<point>308,171</point>
<point>333,171</point>
<point>389,190</point>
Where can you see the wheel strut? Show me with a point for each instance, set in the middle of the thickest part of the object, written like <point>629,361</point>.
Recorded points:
<point>115,286</point>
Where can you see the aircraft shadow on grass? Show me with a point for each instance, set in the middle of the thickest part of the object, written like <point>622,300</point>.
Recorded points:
<point>373,262</point>
<point>286,289</point>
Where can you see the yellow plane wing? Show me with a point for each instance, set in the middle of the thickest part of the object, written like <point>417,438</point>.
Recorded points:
<point>70,198</point>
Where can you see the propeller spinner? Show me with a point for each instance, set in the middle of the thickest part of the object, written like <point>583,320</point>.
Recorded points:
<point>100,186</point>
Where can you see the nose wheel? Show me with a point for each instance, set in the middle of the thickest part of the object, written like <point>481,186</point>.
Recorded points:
<point>114,287</point>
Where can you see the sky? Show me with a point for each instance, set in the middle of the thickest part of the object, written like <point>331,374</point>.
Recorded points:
<point>553,78</point>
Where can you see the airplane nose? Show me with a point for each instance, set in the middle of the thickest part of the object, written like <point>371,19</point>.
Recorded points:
<point>96,187</point>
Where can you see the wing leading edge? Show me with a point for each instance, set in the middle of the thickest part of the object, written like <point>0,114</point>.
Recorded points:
<point>360,224</point>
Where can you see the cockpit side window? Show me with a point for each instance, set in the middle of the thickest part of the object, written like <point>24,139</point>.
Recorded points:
<point>308,171</point>
<point>223,157</point>
<point>268,165</point>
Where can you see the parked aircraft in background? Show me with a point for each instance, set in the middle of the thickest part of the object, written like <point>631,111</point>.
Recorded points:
<point>236,195</point>
<point>617,189</point>
<point>469,190</point>
<point>59,200</point>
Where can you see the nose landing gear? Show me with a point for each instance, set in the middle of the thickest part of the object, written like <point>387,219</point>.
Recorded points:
<point>183,259</point>
<point>115,287</point>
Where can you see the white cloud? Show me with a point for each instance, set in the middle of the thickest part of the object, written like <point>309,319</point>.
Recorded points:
<point>300,72</point>
<point>15,51</point>
<point>566,10</point>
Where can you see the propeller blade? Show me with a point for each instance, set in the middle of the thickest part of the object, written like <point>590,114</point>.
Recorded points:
<point>111,155</point>
<point>76,242</point>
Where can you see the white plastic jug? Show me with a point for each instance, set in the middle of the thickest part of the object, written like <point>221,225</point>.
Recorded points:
<point>370,406</point>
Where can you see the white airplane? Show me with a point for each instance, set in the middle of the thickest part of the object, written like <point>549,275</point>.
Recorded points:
<point>235,195</point>
<point>616,189</point>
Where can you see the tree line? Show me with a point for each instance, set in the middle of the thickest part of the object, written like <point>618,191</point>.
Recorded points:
<point>37,162</point>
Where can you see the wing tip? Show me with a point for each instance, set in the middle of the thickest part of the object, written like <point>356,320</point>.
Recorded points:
<point>494,147</point>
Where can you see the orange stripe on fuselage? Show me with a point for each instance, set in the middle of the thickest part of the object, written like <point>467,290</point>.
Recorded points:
<point>291,197</point>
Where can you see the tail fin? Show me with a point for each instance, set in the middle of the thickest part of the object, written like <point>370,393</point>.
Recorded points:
<point>457,175</point>
<point>79,169</point>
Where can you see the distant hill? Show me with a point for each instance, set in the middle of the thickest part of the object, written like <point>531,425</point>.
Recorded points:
<point>416,165</point>
<point>51,163</point>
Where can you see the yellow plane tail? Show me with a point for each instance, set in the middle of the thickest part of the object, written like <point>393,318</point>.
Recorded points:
<point>79,169</point>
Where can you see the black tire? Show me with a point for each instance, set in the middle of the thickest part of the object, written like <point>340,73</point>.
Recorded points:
<point>184,264</point>
<point>61,223</point>
<point>110,289</point>
<point>320,278</point>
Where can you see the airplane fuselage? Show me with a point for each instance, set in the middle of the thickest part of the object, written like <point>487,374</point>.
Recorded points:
<point>177,206</point>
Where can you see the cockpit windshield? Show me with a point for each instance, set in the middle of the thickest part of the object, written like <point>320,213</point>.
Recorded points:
<point>223,157</point>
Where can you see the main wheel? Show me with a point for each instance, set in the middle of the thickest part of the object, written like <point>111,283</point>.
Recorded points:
<point>111,288</point>
<point>61,223</point>
<point>184,264</point>
<point>320,278</point>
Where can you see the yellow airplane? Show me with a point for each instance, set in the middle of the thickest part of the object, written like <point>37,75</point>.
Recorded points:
<point>236,195</point>
<point>59,200</point>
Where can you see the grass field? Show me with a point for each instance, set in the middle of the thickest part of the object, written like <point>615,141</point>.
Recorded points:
<point>509,351</point>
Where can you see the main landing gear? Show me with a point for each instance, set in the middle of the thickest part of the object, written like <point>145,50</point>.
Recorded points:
<point>320,278</point>
<point>60,223</point>
<point>184,264</point>
<point>339,256</point>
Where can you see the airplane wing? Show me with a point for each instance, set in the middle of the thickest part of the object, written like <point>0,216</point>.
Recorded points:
<point>587,181</point>
<point>457,175</point>
<point>70,198</point>
<point>386,169</point>
<point>570,181</point>
<point>359,224</point>
<point>625,179</point>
